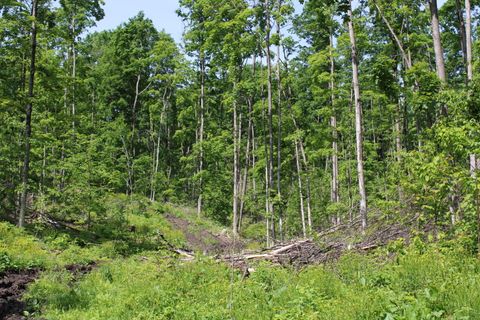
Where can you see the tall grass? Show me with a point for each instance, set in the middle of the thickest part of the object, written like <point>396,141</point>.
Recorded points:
<point>428,285</point>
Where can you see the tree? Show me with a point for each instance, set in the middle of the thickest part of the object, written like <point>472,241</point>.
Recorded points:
<point>358,120</point>
<point>28,113</point>
<point>194,13</point>
<point>437,43</point>
<point>75,17</point>
<point>468,36</point>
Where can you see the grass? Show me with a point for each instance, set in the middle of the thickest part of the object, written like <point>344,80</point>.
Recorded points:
<point>127,228</point>
<point>415,285</point>
<point>137,279</point>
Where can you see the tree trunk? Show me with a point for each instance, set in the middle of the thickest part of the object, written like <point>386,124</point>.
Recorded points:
<point>309,206</point>
<point>300,189</point>
<point>270,113</point>
<point>279,138</point>
<point>247,162</point>
<point>335,194</point>
<point>74,76</point>
<point>461,29</point>
<point>249,157</point>
<point>358,121</point>
<point>406,57</point>
<point>28,117</point>
<point>474,165</point>
<point>468,36</point>
<point>201,133</point>
<point>437,43</point>
<point>236,165</point>
<point>132,151</point>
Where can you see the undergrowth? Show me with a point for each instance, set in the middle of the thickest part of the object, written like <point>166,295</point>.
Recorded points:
<point>415,284</point>
<point>129,227</point>
<point>136,278</point>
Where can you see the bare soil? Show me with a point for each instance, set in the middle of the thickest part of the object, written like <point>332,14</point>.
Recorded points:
<point>79,270</point>
<point>205,241</point>
<point>12,286</point>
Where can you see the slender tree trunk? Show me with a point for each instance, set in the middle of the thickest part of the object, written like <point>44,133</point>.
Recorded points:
<point>406,57</point>
<point>335,194</point>
<point>474,165</point>
<point>154,152</point>
<point>236,165</point>
<point>267,207</point>
<point>44,174</point>
<point>461,29</point>
<point>300,189</point>
<point>303,155</point>
<point>254,165</point>
<point>247,163</point>
<point>156,167</point>
<point>163,126</point>
<point>129,160</point>
<point>132,152</point>
<point>74,75</point>
<point>270,112</point>
<point>267,163</point>
<point>28,117</point>
<point>407,62</point>
<point>201,133</point>
<point>309,207</point>
<point>358,121</point>
<point>437,43</point>
<point>249,157</point>
<point>468,39</point>
<point>279,124</point>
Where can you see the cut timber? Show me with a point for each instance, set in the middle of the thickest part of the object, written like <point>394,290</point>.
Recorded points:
<point>333,244</point>
<point>186,255</point>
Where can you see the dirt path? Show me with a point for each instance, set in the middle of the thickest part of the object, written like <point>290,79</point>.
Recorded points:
<point>12,286</point>
<point>205,241</point>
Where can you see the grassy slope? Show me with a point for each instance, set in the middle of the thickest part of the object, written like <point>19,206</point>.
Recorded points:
<point>138,279</point>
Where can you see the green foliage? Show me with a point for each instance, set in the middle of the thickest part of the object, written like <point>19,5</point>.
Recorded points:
<point>123,122</point>
<point>415,285</point>
<point>130,226</point>
<point>18,250</point>
<point>254,231</point>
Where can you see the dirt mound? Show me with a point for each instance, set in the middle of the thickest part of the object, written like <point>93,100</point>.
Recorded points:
<point>205,241</point>
<point>12,286</point>
<point>78,270</point>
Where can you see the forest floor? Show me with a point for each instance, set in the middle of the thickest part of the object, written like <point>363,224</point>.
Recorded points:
<point>60,263</point>
<point>12,286</point>
<point>14,283</point>
<point>204,240</point>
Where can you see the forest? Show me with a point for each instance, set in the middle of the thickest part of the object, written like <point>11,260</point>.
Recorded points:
<point>311,159</point>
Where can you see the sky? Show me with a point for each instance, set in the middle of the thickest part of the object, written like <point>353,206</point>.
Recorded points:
<point>161,12</point>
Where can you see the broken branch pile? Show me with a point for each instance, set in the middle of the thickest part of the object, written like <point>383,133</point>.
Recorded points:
<point>330,247</point>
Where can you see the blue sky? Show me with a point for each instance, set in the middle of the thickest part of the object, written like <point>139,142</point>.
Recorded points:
<point>162,12</point>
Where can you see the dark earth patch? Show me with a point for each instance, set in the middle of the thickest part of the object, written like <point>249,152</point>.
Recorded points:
<point>12,286</point>
<point>203,240</point>
<point>78,270</point>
